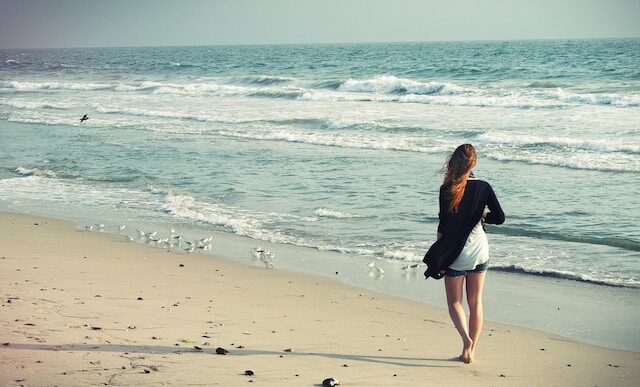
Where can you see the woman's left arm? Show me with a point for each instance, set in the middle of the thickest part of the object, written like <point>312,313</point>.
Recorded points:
<point>495,214</point>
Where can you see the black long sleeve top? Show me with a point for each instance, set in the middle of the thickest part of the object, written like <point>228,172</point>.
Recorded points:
<point>455,227</point>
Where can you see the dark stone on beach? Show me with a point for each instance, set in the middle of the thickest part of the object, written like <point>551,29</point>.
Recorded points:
<point>542,349</point>
<point>502,376</point>
<point>240,346</point>
<point>345,365</point>
<point>96,328</point>
<point>221,351</point>
<point>7,344</point>
<point>140,298</point>
<point>146,371</point>
<point>181,265</point>
<point>197,348</point>
<point>395,374</point>
<point>336,273</point>
<point>568,365</point>
<point>330,382</point>
<point>248,373</point>
<point>288,350</point>
<point>36,224</point>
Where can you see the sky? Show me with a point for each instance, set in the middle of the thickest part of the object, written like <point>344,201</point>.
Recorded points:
<point>99,23</point>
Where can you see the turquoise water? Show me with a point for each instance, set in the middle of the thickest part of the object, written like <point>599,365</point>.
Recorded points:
<point>337,147</point>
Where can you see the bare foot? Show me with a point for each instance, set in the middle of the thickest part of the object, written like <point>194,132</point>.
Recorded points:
<point>467,353</point>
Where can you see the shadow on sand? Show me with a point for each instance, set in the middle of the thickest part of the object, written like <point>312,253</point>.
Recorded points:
<point>156,349</point>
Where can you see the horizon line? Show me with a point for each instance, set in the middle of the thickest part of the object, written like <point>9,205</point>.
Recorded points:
<point>324,43</point>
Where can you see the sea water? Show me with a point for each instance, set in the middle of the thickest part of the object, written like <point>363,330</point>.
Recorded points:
<point>337,147</point>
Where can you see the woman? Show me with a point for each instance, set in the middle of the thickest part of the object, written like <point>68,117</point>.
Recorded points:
<point>462,251</point>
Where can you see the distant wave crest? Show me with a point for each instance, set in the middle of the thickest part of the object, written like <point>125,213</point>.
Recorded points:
<point>389,84</point>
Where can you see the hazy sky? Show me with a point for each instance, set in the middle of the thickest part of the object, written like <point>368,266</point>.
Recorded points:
<point>81,23</point>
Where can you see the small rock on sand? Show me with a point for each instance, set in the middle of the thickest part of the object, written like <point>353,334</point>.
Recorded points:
<point>330,382</point>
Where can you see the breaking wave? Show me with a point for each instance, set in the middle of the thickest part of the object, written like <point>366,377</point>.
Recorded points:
<point>518,269</point>
<point>389,84</point>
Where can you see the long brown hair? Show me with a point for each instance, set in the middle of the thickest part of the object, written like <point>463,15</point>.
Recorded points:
<point>456,170</point>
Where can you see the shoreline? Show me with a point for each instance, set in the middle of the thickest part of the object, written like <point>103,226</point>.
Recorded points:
<point>91,308</point>
<point>589,313</point>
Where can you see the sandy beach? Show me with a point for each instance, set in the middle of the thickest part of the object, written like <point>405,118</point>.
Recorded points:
<point>88,308</point>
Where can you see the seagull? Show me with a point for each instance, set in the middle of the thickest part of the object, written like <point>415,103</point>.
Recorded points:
<point>265,256</point>
<point>375,270</point>
<point>84,118</point>
<point>121,228</point>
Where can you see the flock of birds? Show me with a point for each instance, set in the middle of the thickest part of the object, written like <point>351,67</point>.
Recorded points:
<point>175,241</point>
<point>258,254</point>
<point>172,241</point>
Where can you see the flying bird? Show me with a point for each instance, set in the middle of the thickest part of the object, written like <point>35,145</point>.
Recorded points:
<point>84,118</point>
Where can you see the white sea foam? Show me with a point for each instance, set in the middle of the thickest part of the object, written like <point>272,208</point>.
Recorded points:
<point>345,123</point>
<point>331,213</point>
<point>34,86</point>
<point>566,274</point>
<point>153,113</point>
<point>402,255</point>
<point>240,222</point>
<point>591,161</point>
<point>35,172</point>
<point>57,192</point>
<point>350,140</point>
<point>12,62</point>
<point>590,99</point>
<point>28,104</point>
<point>594,144</point>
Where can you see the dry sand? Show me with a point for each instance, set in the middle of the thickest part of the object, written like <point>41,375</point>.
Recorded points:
<point>86,308</point>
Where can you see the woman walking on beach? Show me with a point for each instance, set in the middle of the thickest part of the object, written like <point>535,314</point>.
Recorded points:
<point>462,251</point>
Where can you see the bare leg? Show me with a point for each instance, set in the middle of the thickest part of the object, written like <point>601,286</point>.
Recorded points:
<point>475,284</point>
<point>453,286</point>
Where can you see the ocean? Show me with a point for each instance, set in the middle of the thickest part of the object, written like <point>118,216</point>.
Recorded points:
<point>336,147</point>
